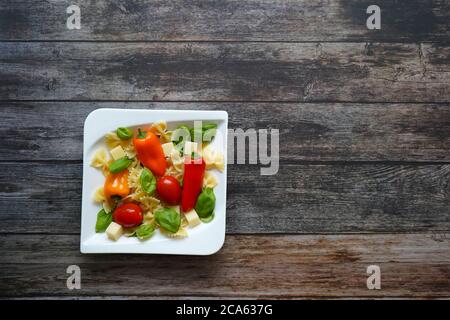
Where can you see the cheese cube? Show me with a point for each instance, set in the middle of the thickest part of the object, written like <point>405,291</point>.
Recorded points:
<point>167,148</point>
<point>114,231</point>
<point>192,218</point>
<point>190,147</point>
<point>117,153</point>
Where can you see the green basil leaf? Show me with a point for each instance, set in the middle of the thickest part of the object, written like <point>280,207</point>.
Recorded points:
<point>209,132</point>
<point>196,134</point>
<point>120,165</point>
<point>205,133</point>
<point>103,221</point>
<point>169,219</point>
<point>209,126</point>
<point>180,135</point>
<point>206,202</point>
<point>147,181</point>
<point>145,231</point>
<point>124,133</point>
<point>208,218</point>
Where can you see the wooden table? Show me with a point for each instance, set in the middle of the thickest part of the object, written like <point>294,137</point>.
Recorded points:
<point>364,120</point>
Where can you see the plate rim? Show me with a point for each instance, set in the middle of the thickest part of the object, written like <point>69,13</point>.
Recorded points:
<point>127,248</point>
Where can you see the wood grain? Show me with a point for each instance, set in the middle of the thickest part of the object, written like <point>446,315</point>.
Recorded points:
<point>247,20</point>
<point>303,198</point>
<point>308,132</point>
<point>321,72</point>
<point>412,265</point>
<point>364,122</point>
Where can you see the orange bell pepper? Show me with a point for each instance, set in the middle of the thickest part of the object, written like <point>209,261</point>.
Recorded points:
<point>116,184</point>
<point>150,152</point>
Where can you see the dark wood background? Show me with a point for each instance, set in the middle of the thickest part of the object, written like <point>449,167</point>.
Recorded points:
<point>364,120</point>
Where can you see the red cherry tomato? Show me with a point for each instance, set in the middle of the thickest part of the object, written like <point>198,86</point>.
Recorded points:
<point>128,215</point>
<point>169,190</point>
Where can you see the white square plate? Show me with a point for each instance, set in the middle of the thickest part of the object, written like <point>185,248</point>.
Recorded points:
<point>204,239</point>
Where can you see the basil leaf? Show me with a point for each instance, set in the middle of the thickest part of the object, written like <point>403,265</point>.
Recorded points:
<point>206,132</point>
<point>124,133</point>
<point>120,165</point>
<point>145,231</point>
<point>208,218</point>
<point>180,135</point>
<point>196,134</point>
<point>103,221</point>
<point>206,202</point>
<point>147,181</point>
<point>209,132</point>
<point>168,219</point>
<point>209,126</point>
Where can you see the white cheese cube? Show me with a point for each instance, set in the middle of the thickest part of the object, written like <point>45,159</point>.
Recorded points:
<point>114,231</point>
<point>190,147</point>
<point>117,153</point>
<point>192,218</point>
<point>167,148</point>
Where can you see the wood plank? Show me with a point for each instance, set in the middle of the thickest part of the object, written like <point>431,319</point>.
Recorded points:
<point>321,72</point>
<point>310,132</point>
<point>248,20</point>
<point>303,198</point>
<point>412,265</point>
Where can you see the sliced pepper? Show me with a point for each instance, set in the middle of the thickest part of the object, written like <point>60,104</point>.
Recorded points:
<point>150,152</point>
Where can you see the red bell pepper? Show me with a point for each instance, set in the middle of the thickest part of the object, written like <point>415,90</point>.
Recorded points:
<point>150,152</point>
<point>194,170</point>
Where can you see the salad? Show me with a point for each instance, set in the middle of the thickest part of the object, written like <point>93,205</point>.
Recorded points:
<point>156,178</point>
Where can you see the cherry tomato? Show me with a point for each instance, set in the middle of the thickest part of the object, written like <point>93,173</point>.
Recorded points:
<point>169,190</point>
<point>128,215</point>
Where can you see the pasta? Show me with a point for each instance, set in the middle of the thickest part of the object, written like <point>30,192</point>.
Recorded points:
<point>130,152</point>
<point>132,186</point>
<point>149,217</point>
<point>112,140</point>
<point>209,180</point>
<point>107,206</point>
<point>181,233</point>
<point>213,159</point>
<point>99,195</point>
<point>166,136</point>
<point>99,159</point>
<point>172,171</point>
<point>133,177</point>
<point>160,129</point>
